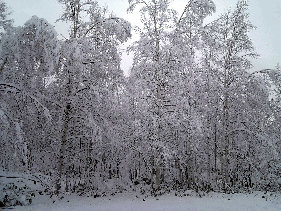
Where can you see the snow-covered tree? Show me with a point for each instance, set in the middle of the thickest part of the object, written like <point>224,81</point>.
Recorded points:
<point>190,116</point>
<point>5,24</point>
<point>165,70</point>
<point>30,55</point>
<point>89,74</point>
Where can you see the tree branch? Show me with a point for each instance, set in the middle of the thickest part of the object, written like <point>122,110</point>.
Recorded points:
<point>184,11</point>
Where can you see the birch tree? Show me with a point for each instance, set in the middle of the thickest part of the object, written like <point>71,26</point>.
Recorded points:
<point>30,55</point>
<point>90,68</point>
<point>232,63</point>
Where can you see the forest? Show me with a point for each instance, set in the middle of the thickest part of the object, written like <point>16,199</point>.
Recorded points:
<point>192,114</point>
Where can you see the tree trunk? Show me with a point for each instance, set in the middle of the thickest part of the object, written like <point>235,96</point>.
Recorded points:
<point>3,65</point>
<point>64,137</point>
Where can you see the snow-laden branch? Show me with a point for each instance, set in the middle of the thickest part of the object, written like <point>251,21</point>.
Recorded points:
<point>184,11</point>
<point>13,86</point>
<point>45,109</point>
<point>260,71</point>
<point>37,179</point>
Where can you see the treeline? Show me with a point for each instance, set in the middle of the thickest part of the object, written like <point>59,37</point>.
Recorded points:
<point>191,115</point>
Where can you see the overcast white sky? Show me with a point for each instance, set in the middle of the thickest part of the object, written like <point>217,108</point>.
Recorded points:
<point>264,14</point>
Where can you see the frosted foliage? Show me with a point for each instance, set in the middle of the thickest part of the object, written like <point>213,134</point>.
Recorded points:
<point>5,22</point>
<point>189,118</point>
<point>118,27</point>
<point>43,31</point>
<point>203,7</point>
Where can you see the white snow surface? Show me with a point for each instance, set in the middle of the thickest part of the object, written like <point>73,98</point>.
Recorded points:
<point>256,201</point>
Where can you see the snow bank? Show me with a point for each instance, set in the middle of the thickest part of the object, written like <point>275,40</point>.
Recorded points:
<point>126,202</point>
<point>19,189</point>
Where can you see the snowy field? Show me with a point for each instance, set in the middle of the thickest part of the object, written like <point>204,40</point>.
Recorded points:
<point>212,202</point>
<point>187,201</point>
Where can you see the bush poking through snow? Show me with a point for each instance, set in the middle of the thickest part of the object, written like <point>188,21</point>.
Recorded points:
<point>12,195</point>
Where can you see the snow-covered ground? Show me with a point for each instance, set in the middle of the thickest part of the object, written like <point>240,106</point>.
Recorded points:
<point>256,201</point>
